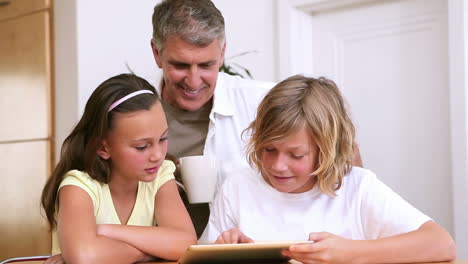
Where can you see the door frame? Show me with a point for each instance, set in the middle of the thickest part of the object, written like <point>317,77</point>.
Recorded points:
<point>295,55</point>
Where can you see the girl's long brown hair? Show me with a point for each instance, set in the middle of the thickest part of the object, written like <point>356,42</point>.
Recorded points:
<point>79,148</point>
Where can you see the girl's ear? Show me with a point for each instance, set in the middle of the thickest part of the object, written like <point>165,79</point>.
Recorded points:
<point>103,151</point>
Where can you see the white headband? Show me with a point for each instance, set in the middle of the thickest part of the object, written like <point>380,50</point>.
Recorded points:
<point>125,98</point>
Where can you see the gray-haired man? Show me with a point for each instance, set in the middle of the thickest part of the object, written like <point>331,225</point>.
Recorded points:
<point>206,110</point>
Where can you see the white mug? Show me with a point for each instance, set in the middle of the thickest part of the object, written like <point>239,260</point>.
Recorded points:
<point>199,177</point>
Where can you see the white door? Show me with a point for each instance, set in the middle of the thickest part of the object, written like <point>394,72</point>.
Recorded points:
<point>390,59</point>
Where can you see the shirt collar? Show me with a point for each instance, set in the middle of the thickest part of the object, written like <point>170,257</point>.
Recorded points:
<point>221,102</point>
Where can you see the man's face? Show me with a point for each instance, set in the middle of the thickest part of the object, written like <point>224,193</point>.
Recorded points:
<point>190,72</point>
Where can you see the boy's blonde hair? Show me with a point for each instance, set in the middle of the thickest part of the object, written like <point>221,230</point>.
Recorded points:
<point>318,105</point>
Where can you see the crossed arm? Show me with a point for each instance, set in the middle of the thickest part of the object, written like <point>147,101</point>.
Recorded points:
<point>83,241</point>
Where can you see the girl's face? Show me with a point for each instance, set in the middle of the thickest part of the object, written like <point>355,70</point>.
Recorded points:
<point>137,144</point>
<point>288,165</point>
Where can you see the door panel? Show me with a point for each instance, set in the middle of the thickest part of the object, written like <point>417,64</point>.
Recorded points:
<point>24,170</point>
<point>390,58</point>
<point>25,78</point>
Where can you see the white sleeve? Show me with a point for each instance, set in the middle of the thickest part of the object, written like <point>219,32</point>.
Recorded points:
<point>221,215</point>
<point>384,213</point>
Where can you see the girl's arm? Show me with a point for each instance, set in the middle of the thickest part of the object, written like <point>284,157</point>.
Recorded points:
<point>173,235</point>
<point>77,234</point>
<point>429,243</point>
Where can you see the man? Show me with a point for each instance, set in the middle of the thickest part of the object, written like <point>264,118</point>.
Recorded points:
<point>188,45</point>
<point>207,111</point>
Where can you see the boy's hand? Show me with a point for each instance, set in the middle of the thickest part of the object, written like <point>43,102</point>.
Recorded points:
<point>327,248</point>
<point>233,236</point>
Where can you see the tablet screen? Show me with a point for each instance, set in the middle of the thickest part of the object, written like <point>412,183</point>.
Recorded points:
<point>237,253</point>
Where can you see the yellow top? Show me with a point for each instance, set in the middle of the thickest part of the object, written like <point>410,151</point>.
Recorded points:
<point>143,210</point>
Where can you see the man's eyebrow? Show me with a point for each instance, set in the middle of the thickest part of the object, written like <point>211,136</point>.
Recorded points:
<point>207,62</point>
<point>175,62</point>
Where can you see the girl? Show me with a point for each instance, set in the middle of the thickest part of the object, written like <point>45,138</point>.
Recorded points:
<point>112,198</point>
<point>302,146</point>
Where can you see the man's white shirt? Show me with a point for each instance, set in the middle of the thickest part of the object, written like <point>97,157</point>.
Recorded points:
<point>235,103</point>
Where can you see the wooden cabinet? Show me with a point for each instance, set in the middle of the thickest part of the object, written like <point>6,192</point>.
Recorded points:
<point>15,8</point>
<point>24,78</point>
<point>26,125</point>
<point>24,170</point>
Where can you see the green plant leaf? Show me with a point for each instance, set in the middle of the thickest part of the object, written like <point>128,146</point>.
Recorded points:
<point>235,68</point>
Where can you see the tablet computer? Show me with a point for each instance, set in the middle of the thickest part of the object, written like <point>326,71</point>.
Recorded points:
<point>237,253</point>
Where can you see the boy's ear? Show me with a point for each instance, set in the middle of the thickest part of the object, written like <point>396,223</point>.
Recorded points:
<point>102,150</point>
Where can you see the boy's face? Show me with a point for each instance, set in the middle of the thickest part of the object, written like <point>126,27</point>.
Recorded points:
<point>136,145</point>
<point>288,165</point>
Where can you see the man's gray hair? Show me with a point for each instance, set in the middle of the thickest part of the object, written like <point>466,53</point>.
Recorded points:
<point>197,22</point>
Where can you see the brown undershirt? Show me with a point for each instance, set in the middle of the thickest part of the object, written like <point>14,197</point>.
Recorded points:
<point>187,134</point>
<point>187,130</point>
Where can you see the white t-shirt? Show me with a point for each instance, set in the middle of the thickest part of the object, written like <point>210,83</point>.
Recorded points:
<point>363,208</point>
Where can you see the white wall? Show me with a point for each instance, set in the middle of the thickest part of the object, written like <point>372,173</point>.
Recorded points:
<point>110,34</point>
<point>458,54</point>
<point>93,41</point>
<point>251,28</point>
